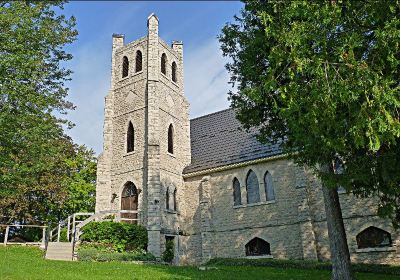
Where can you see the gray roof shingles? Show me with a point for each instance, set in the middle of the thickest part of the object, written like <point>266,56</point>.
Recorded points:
<point>217,140</point>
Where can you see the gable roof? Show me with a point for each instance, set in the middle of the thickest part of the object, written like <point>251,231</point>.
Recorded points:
<point>217,140</point>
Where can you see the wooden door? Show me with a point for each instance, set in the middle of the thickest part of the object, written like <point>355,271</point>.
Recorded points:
<point>129,201</point>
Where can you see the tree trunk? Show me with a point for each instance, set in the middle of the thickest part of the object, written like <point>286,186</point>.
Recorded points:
<point>340,256</point>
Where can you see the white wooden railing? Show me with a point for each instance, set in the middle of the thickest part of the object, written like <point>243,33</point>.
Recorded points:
<point>70,223</point>
<point>42,242</point>
<point>73,225</point>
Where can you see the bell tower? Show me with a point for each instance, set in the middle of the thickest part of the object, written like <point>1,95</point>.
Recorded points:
<point>146,134</point>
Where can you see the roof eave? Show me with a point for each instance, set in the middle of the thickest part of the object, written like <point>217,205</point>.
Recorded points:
<point>232,166</point>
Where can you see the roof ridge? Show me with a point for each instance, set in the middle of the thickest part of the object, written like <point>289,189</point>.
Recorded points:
<point>213,113</point>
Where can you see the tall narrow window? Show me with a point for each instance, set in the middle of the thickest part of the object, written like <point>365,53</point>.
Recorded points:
<point>125,67</point>
<point>175,207</point>
<point>269,187</point>
<point>167,199</point>
<point>373,237</point>
<point>138,61</point>
<point>130,139</point>
<point>237,199</point>
<point>164,64</point>
<point>173,68</point>
<point>252,186</point>
<point>171,139</point>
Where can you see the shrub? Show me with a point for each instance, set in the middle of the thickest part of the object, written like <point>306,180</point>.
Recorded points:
<point>121,236</point>
<point>63,235</point>
<point>168,254</point>
<point>93,254</point>
<point>304,264</point>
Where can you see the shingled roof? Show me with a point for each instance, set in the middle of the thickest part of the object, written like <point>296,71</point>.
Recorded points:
<point>217,140</point>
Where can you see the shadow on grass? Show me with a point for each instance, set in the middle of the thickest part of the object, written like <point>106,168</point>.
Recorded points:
<point>28,263</point>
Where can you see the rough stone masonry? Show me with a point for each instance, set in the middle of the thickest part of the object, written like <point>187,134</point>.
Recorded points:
<point>212,188</point>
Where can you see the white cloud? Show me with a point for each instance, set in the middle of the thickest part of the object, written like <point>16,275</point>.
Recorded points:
<point>206,79</point>
<point>90,83</point>
<point>206,87</point>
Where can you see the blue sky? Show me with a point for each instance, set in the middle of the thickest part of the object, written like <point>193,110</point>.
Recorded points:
<point>197,24</point>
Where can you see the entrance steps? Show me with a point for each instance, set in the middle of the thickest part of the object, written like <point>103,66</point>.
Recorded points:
<point>59,251</point>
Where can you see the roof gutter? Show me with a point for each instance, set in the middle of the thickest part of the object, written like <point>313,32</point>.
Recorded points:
<point>232,166</point>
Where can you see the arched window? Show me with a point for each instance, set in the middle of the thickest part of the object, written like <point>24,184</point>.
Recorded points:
<point>373,237</point>
<point>164,63</point>
<point>167,199</point>
<point>175,206</point>
<point>269,187</point>
<point>173,68</point>
<point>253,193</point>
<point>125,67</point>
<point>170,139</point>
<point>130,138</point>
<point>257,247</point>
<point>129,190</point>
<point>237,199</point>
<point>138,61</point>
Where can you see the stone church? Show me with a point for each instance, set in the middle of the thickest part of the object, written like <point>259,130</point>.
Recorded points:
<point>212,188</point>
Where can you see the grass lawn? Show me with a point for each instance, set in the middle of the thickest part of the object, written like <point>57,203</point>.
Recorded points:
<point>27,263</point>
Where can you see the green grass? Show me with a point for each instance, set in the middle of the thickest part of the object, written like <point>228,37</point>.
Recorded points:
<point>27,263</point>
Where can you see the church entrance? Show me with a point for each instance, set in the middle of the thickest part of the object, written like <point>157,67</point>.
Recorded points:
<point>129,203</point>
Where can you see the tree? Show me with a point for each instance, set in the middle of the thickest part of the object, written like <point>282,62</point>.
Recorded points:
<point>322,80</point>
<point>80,183</point>
<point>33,146</point>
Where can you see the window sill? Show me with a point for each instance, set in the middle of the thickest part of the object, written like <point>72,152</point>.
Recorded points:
<point>137,73</point>
<point>255,204</point>
<point>260,257</point>
<point>169,211</point>
<point>124,78</point>
<point>174,83</point>
<point>164,75</point>
<point>377,249</point>
<point>172,155</point>
<point>129,154</point>
<point>131,75</point>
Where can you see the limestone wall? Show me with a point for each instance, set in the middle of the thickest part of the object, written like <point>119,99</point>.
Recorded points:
<point>294,224</point>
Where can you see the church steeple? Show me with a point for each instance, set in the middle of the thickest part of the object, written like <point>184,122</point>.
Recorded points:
<point>142,108</point>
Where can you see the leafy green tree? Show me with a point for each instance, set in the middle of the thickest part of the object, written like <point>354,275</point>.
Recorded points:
<point>80,182</point>
<point>322,79</point>
<point>33,146</point>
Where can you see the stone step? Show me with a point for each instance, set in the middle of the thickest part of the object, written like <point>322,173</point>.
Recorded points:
<point>59,251</point>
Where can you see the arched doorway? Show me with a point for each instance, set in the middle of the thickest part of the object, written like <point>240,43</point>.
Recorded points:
<point>129,201</point>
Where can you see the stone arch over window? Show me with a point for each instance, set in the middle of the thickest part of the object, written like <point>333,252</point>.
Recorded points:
<point>164,63</point>
<point>129,202</point>
<point>138,61</point>
<point>252,187</point>
<point>130,138</point>
<point>237,199</point>
<point>269,187</point>
<point>125,67</point>
<point>173,71</point>
<point>373,237</point>
<point>257,247</point>
<point>171,139</point>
